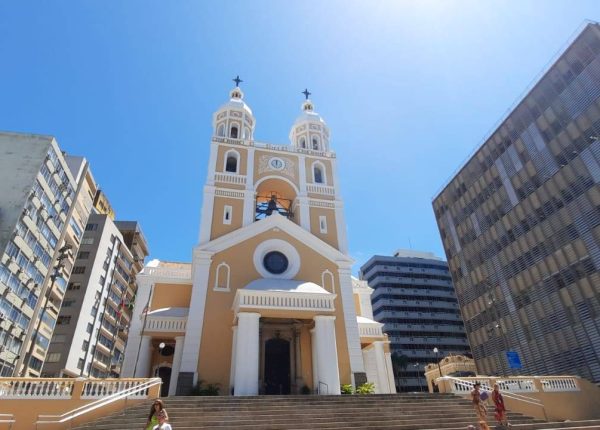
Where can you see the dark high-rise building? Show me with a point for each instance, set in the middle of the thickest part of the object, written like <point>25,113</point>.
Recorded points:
<point>415,301</point>
<point>520,224</point>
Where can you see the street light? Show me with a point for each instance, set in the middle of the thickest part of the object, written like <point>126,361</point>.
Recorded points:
<point>416,365</point>
<point>437,352</point>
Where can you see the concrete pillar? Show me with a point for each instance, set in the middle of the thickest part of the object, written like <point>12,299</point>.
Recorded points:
<point>143,362</point>
<point>327,359</point>
<point>176,365</point>
<point>246,360</point>
<point>382,383</point>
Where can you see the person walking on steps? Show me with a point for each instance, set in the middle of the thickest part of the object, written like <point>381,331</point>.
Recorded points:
<point>479,406</point>
<point>162,421</point>
<point>157,407</point>
<point>500,409</point>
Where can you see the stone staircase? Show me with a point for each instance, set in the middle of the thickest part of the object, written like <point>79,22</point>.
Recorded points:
<point>411,411</point>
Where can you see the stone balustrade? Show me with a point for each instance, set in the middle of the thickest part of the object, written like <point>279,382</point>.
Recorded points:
<point>230,178</point>
<point>248,299</point>
<point>166,324</point>
<point>320,189</point>
<point>370,330</point>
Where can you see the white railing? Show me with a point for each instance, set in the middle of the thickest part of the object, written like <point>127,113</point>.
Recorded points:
<point>370,330</point>
<point>136,391</point>
<point>283,300</point>
<point>327,190</point>
<point>169,272</point>
<point>7,419</point>
<point>517,385</point>
<point>166,324</point>
<point>273,147</point>
<point>36,388</point>
<point>462,387</point>
<point>230,178</point>
<point>559,384</point>
<point>98,389</point>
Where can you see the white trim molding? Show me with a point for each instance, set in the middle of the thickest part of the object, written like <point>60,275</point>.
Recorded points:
<point>251,299</point>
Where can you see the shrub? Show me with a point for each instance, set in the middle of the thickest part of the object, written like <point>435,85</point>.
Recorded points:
<point>366,388</point>
<point>347,389</point>
<point>209,390</point>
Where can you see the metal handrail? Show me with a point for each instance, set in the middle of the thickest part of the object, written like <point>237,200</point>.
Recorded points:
<point>508,394</point>
<point>326,386</point>
<point>68,416</point>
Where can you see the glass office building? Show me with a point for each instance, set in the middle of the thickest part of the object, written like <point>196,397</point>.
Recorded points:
<point>414,299</point>
<point>520,224</point>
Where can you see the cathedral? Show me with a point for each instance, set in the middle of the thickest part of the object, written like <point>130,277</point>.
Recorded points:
<point>268,304</point>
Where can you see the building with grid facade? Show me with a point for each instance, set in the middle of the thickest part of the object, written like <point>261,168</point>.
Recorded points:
<point>92,327</point>
<point>45,200</point>
<point>520,225</point>
<point>414,299</point>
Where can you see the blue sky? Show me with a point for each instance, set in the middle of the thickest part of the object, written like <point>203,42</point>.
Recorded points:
<point>408,88</point>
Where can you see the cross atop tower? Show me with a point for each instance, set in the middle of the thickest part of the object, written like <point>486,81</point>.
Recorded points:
<point>237,80</point>
<point>306,93</point>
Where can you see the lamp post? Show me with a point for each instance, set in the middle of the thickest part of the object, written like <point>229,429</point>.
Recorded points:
<point>416,365</point>
<point>436,351</point>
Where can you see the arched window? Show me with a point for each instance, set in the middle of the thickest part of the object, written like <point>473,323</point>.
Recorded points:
<point>315,143</point>
<point>222,276</point>
<point>221,130</point>
<point>231,161</point>
<point>302,142</point>
<point>246,133</point>
<point>234,132</point>
<point>327,281</point>
<point>318,175</point>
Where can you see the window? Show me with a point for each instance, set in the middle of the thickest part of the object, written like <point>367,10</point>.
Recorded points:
<point>83,255</point>
<point>59,338</point>
<point>221,130</point>
<point>222,277</point>
<point>53,357</point>
<point>232,158</point>
<point>315,143</point>
<point>302,143</point>
<point>90,328</point>
<point>323,224</point>
<point>231,164</point>
<point>227,212</point>
<point>80,363</point>
<point>78,270</point>
<point>275,262</point>
<point>87,241</point>
<point>318,175</point>
<point>73,286</point>
<point>64,320</point>
<point>68,303</point>
<point>246,133</point>
<point>234,132</point>
<point>102,280</point>
<point>91,227</point>
<point>85,345</point>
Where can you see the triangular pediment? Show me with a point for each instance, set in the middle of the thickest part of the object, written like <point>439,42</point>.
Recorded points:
<point>275,221</point>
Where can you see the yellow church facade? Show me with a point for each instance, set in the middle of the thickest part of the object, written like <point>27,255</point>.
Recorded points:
<point>268,304</point>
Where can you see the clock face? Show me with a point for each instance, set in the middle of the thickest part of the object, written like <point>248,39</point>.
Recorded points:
<point>276,163</point>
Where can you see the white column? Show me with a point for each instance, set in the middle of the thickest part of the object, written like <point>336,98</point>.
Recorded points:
<point>315,367</point>
<point>340,222</point>
<point>143,362</point>
<point>382,383</point>
<point>176,365</point>
<point>206,216</point>
<point>390,372</point>
<point>352,335</point>
<point>304,212</point>
<point>195,322</point>
<point>144,295</point>
<point>249,192</point>
<point>327,359</point>
<point>246,363</point>
<point>233,358</point>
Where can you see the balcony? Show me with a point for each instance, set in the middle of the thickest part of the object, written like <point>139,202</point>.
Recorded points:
<point>369,328</point>
<point>326,190</point>
<point>167,320</point>
<point>230,178</point>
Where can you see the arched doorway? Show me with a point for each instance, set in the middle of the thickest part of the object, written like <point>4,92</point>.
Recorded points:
<point>277,366</point>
